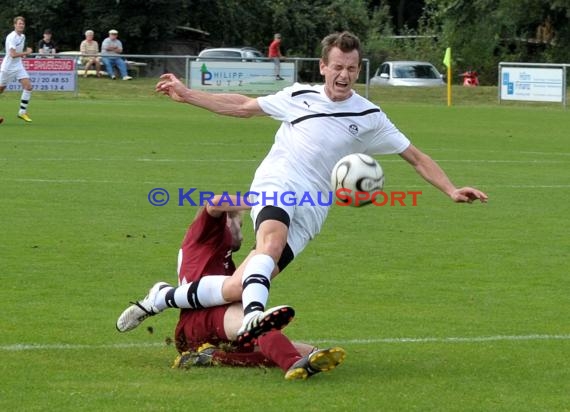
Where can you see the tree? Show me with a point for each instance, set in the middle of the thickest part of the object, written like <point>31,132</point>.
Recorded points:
<point>485,32</point>
<point>138,21</point>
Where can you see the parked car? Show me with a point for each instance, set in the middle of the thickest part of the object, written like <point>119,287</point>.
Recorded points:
<point>407,73</point>
<point>245,54</point>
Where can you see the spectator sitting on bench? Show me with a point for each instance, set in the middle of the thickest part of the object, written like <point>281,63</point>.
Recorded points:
<point>111,48</point>
<point>89,54</point>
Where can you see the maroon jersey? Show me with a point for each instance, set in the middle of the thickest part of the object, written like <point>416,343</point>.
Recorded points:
<point>206,249</point>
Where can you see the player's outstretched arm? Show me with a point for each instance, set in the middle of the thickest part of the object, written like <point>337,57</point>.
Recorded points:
<point>230,203</point>
<point>468,195</point>
<point>236,105</point>
<point>434,174</point>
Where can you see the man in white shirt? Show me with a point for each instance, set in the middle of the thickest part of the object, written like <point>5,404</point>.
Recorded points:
<point>320,125</point>
<point>13,68</point>
<point>111,50</point>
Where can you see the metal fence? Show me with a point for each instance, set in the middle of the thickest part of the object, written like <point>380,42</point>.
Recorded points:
<point>306,70</point>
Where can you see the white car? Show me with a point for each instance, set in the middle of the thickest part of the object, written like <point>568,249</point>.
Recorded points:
<point>407,73</point>
<point>245,54</point>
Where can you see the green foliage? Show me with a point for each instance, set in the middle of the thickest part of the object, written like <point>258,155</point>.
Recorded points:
<point>481,33</point>
<point>410,44</point>
<point>484,32</point>
<point>139,22</point>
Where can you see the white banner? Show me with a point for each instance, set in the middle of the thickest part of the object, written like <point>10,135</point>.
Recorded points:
<point>532,84</point>
<point>239,77</point>
<point>48,75</point>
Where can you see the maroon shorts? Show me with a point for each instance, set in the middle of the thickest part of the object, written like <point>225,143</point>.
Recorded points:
<point>196,327</point>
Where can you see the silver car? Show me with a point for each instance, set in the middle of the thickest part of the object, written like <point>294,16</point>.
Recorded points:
<point>244,54</point>
<point>407,73</point>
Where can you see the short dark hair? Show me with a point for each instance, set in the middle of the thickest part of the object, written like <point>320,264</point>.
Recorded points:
<point>345,41</point>
<point>47,31</point>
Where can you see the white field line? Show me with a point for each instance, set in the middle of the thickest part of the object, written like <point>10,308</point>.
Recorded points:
<point>191,160</point>
<point>20,347</point>
<point>131,142</point>
<point>123,160</point>
<point>261,142</point>
<point>516,152</point>
<point>472,339</point>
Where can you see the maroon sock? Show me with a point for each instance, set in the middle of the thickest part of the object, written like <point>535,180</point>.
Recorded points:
<point>278,348</point>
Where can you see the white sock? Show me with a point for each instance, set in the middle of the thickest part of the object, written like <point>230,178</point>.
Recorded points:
<point>256,283</point>
<point>205,293</point>
<point>24,101</point>
<point>210,291</point>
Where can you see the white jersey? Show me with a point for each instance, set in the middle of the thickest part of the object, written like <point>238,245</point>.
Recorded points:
<point>17,42</point>
<point>317,132</point>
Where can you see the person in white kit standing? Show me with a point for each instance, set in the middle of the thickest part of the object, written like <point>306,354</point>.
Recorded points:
<point>320,125</point>
<point>13,68</point>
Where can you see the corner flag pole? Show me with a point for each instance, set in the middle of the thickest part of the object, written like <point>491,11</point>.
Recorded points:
<point>447,62</point>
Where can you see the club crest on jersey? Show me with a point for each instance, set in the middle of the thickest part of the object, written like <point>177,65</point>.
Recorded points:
<point>353,129</point>
<point>227,259</point>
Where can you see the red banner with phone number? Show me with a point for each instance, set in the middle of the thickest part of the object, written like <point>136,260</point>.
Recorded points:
<point>48,75</point>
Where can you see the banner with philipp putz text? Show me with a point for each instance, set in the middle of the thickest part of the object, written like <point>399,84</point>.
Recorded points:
<point>239,77</point>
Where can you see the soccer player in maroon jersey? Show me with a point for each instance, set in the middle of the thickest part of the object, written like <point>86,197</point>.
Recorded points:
<point>206,253</point>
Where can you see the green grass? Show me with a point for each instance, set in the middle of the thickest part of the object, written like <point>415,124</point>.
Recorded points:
<point>440,306</point>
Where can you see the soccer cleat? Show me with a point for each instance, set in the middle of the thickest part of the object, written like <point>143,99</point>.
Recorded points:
<point>203,357</point>
<point>1,120</point>
<point>127,78</point>
<point>135,314</point>
<point>259,323</point>
<point>322,360</point>
<point>25,117</point>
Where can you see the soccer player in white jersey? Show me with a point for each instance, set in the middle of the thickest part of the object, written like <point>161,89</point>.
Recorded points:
<point>13,68</point>
<point>320,124</point>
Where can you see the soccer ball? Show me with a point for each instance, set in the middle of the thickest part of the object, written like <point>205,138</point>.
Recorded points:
<point>355,178</point>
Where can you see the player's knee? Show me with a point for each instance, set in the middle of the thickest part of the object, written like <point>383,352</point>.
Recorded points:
<point>272,225</point>
<point>232,289</point>
<point>271,239</point>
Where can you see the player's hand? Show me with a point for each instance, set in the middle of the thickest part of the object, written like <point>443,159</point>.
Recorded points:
<point>167,81</point>
<point>171,86</point>
<point>29,50</point>
<point>468,195</point>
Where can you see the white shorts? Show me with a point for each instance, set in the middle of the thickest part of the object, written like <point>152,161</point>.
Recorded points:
<point>306,218</point>
<point>15,74</point>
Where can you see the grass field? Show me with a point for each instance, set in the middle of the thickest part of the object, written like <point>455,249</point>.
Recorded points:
<point>440,307</point>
